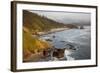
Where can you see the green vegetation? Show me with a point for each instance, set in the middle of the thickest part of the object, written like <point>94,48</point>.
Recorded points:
<point>37,23</point>
<point>33,44</point>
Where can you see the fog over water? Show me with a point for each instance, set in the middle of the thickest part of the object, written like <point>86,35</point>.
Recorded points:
<point>67,17</point>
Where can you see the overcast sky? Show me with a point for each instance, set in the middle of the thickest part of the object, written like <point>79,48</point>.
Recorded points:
<point>67,17</point>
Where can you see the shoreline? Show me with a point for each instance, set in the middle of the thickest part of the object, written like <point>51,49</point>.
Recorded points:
<point>52,31</point>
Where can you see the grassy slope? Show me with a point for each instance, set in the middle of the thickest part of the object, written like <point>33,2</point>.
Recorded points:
<point>38,23</point>
<point>32,44</point>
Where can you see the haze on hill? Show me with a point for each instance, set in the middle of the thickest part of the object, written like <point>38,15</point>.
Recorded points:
<point>67,17</point>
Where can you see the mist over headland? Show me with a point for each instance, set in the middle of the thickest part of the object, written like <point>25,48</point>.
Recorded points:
<point>67,17</point>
